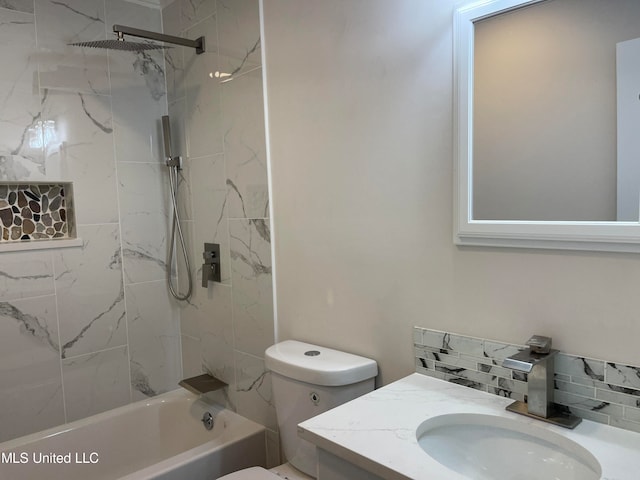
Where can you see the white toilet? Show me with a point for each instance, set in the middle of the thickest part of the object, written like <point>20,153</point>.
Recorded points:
<point>308,380</point>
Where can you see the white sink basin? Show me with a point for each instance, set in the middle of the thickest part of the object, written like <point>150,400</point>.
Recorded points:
<point>488,447</point>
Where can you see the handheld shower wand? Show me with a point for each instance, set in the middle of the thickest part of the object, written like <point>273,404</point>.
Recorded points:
<point>175,165</point>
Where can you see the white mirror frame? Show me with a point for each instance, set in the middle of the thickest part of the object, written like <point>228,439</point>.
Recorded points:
<point>599,236</point>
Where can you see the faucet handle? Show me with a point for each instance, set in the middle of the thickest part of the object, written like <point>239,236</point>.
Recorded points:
<point>539,344</point>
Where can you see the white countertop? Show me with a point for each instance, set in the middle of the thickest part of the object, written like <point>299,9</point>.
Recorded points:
<point>377,432</point>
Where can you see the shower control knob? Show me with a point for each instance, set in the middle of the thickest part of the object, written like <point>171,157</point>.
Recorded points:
<point>211,266</point>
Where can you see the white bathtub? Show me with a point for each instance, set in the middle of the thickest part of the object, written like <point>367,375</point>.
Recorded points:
<point>161,438</point>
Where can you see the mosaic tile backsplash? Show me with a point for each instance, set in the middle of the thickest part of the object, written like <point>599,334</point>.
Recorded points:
<point>35,211</point>
<point>597,390</point>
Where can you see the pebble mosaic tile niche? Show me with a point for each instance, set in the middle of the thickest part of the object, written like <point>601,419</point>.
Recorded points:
<point>36,211</point>
<point>597,390</point>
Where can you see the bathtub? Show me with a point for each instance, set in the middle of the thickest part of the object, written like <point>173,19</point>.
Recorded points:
<point>161,438</point>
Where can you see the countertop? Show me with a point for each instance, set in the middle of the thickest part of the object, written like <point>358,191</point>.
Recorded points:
<point>377,431</point>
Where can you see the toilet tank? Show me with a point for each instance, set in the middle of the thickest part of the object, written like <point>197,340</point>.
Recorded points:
<point>308,380</point>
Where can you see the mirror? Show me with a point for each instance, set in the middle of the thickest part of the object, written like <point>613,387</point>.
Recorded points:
<point>541,86</point>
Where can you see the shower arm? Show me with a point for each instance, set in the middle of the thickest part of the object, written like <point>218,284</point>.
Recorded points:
<point>198,43</point>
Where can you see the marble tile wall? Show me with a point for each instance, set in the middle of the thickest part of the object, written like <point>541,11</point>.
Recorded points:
<point>90,328</point>
<point>216,102</point>
<point>597,390</point>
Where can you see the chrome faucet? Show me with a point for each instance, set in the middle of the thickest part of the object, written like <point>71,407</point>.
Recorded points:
<point>537,363</point>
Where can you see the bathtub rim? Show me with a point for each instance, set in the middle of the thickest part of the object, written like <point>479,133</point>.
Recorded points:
<point>145,403</point>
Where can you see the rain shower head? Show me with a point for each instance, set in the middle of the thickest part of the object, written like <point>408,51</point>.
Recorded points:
<point>121,44</point>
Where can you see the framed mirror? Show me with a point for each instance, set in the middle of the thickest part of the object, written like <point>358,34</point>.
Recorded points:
<point>547,124</point>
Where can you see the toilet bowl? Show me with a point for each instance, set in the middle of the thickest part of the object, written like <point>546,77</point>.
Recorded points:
<point>308,380</point>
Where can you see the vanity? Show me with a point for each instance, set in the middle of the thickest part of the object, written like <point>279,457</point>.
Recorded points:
<point>383,435</point>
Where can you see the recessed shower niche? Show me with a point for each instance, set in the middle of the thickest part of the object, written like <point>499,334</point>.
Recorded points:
<point>36,211</point>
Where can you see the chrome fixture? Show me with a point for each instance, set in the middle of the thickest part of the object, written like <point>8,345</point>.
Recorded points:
<point>175,165</point>
<point>537,362</point>
<point>211,265</point>
<point>207,420</point>
<point>121,44</point>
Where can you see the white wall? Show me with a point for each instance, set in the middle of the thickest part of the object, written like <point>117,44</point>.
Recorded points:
<point>360,119</point>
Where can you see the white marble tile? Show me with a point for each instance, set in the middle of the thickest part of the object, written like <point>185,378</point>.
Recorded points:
<point>137,87</point>
<point>207,316</point>
<point>623,396</point>
<point>417,335</point>
<point>96,382</point>
<point>632,414</point>
<point>251,394</point>
<point>61,65</point>
<point>207,176</point>
<point>179,148</point>
<point>463,344</point>
<point>216,331</point>
<point>175,73</point>
<point>171,18</point>
<point>207,179</point>
<point>245,148</point>
<point>138,107</point>
<point>579,367</point>
<point>154,339</point>
<point>578,389</point>
<point>191,358</point>
<point>29,339</point>
<point>18,41</point>
<point>210,212</point>
<point>193,11</point>
<point>21,154</point>
<point>572,400</point>
<point>90,292</point>
<point>30,382</point>
<point>181,266</point>
<point>32,407</point>
<point>626,424</point>
<point>177,117</point>
<point>203,115</point>
<point>239,35</point>
<point>144,213</point>
<point>499,351</point>
<point>622,375</point>
<point>18,5</point>
<point>25,274</point>
<point>80,150</point>
<point>252,285</point>
<point>132,14</point>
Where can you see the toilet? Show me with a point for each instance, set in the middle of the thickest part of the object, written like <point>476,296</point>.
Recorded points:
<point>307,380</point>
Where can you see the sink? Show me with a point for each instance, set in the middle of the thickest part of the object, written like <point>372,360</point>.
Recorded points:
<point>488,447</point>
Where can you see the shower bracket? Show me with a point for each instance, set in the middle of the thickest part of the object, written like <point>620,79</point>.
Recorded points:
<point>174,162</point>
<point>198,43</point>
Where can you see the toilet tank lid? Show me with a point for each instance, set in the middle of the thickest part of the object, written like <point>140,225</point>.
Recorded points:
<point>318,365</point>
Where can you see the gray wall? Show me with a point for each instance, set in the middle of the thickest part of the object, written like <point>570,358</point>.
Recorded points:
<point>360,120</point>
